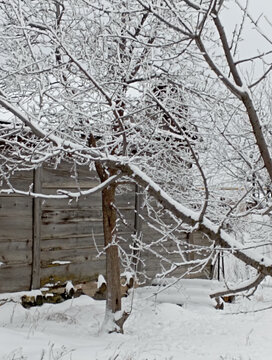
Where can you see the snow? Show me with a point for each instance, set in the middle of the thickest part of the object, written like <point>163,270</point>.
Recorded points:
<point>128,276</point>
<point>61,262</point>
<point>17,295</point>
<point>100,281</point>
<point>69,286</point>
<point>156,329</point>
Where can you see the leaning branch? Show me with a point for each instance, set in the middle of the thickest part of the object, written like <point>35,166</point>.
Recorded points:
<point>221,238</point>
<point>244,287</point>
<point>17,113</point>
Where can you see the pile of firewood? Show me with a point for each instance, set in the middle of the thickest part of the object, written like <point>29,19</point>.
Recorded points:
<point>58,293</point>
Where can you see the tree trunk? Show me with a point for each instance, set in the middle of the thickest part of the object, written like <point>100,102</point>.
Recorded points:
<point>112,322</point>
<point>113,302</point>
<point>112,257</point>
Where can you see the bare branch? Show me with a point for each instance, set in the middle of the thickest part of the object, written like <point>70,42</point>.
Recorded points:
<point>242,287</point>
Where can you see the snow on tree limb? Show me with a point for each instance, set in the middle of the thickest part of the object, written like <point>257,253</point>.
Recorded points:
<point>189,217</point>
<point>261,263</point>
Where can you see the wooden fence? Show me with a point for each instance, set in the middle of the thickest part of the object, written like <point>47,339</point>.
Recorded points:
<point>50,240</point>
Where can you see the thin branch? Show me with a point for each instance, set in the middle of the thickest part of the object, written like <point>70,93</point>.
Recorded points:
<point>182,132</point>
<point>172,26</point>
<point>227,52</point>
<point>17,113</point>
<point>261,78</point>
<point>252,58</point>
<point>63,194</point>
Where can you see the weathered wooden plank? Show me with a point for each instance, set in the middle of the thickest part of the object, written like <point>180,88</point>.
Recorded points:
<point>15,221</point>
<point>128,227</point>
<point>125,190</point>
<point>64,176</point>
<point>12,256</point>
<point>70,215</point>
<point>77,241</point>
<point>76,272</point>
<point>72,255</point>
<point>84,202</point>
<point>60,236</point>
<point>13,251</point>
<point>20,180</point>
<point>65,230</point>
<point>14,244</point>
<point>154,233</point>
<point>70,185</point>
<point>17,228</point>
<point>92,201</point>
<point>125,201</point>
<point>15,205</point>
<point>15,278</point>
<point>72,242</point>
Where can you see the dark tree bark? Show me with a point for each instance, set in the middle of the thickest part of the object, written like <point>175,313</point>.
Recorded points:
<point>112,257</point>
<point>113,296</point>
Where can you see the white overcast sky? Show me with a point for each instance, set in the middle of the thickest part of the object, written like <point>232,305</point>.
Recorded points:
<point>253,42</point>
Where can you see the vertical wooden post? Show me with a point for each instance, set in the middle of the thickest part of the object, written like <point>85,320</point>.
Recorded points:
<point>137,221</point>
<point>138,207</point>
<point>36,237</point>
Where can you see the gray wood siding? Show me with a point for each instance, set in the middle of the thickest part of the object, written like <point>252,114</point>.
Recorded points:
<point>50,240</point>
<point>16,237</point>
<point>70,229</point>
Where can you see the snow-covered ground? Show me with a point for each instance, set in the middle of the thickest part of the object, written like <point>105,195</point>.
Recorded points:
<point>158,328</point>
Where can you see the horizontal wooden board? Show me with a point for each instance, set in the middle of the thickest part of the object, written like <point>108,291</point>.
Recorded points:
<point>71,215</point>
<point>15,278</point>
<point>16,256</point>
<point>14,252</point>
<point>21,180</point>
<point>65,175</point>
<point>92,201</point>
<point>10,205</point>
<point>18,229</point>
<point>125,201</point>
<point>84,202</point>
<point>83,241</point>
<point>65,230</point>
<point>69,184</point>
<point>76,272</point>
<point>73,255</point>
<point>76,241</point>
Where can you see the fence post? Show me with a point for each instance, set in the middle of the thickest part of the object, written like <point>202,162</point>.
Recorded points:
<point>36,238</point>
<point>137,223</point>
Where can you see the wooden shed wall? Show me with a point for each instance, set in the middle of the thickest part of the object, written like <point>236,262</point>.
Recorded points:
<point>49,240</point>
